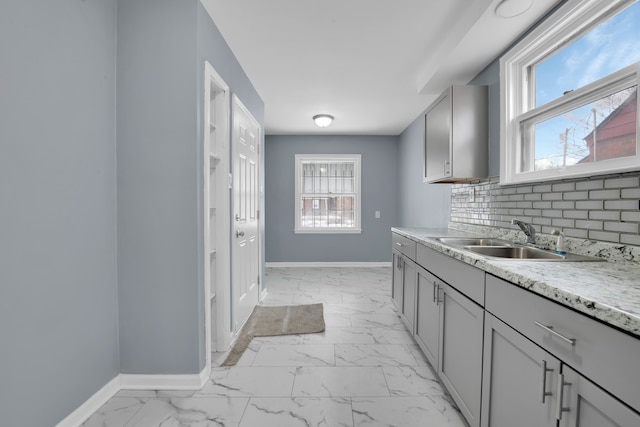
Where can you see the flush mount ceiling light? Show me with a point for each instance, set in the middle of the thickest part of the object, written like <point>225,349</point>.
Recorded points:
<point>512,8</point>
<point>323,120</point>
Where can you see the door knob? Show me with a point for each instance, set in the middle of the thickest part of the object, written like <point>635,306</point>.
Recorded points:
<point>239,233</point>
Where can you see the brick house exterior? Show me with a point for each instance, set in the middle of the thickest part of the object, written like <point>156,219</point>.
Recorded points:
<point>616,135</point>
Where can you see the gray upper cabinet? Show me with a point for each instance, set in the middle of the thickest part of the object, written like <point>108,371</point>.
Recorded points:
<point>457,135</point>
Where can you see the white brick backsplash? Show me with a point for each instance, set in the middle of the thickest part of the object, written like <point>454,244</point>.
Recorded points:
<point>576,195</point>
<point>552,196</point>
<point>590,204</point>
<point>605,208</point>
<point>622,227</point>
<point>576,214</point>
<point>631,181</point>
<point>580,234</point>
<point>542,205</point>
<point>605,215</point>
<point>590,185</point>
<point>630,193</point>
<point>604,194</point>
<point>552,213</point>
<point>590,225</point>
<point>541,221</point>
<point>630,216</point>
<point>604,236</point>
<point>626,205</point>
<point>563,186</point>
<point>546,188</point>
<point>630,239</point>
<point>563,223</point>
<point>524,189</point>
<point>563,205</point>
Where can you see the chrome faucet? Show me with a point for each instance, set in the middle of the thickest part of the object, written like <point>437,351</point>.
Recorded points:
<point>528,230</point>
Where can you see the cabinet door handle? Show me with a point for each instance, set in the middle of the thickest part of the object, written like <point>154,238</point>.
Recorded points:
<point>438,289</point>
<point>549,329</point>
<point>434,291</point>
<point>561,385</point>
<point>545,393</point>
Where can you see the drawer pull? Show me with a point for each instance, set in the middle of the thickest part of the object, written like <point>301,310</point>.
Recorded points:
<point>549,329</point>
<point>545,393</point>
<point>399,244</point>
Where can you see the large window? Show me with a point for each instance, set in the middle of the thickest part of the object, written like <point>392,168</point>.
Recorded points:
<point>570,94</point>
<point>327,193</point>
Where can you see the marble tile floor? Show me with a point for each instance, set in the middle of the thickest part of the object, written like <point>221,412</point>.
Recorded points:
<point>364,370</point>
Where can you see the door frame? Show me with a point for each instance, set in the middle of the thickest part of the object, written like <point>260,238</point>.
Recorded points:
<point>222,204</point>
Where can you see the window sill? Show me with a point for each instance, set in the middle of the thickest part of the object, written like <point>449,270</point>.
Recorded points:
<point>328,231</point>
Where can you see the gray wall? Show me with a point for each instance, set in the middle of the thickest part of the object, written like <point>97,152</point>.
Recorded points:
<point>58,302</point>
<point>379,187</point>
<point>162,46</point>
<point>419,204</point>
<point>157,151</point>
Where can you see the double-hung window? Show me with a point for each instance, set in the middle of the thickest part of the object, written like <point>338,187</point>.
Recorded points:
<point>327,193</point>
<point>569,94</point>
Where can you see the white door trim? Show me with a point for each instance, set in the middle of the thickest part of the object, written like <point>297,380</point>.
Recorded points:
<point>221,131</point>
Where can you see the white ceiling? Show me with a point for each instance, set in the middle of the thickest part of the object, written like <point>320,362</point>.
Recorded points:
<point>373,64</point>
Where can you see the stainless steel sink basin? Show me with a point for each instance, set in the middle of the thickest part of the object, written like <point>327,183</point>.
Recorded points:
<point>472,241</point>
<point>521,253</point>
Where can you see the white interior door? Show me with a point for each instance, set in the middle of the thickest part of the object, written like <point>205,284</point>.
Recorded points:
<point>245,225</point>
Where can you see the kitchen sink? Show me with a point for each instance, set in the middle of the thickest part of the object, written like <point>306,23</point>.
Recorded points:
<point>521,253</point>
<point>498,249</point>
<point>472,241</point>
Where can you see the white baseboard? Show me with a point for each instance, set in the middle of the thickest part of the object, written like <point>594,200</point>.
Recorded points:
<point>328,264</point>
<point>134,382</point>
<point>95,402</point>
<point>164,382</point>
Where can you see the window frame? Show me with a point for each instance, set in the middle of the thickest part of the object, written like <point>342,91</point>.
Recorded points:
<point>328,158</point>
<point>517,98</point>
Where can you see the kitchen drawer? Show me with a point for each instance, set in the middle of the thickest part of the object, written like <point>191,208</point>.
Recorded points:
<point>404,245</point>
<point>465,278</point>
<point>600,352</point>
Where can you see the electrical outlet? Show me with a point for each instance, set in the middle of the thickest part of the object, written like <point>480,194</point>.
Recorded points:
<point>471,195</point>
<point>377,214</point>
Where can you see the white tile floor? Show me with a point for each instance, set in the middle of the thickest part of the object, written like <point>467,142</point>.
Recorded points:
<point>364,370</point>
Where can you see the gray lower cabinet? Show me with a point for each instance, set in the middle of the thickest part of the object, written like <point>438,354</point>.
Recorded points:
<point>522,387</point>
<point>587,405</point>
<point>510,357</point>
<point>541,331</point>
<point>409,294</point>
<point>427,333</point>
<point>397,288</point>
<point>461,341</point>
<point>404,288</point>
<point>520,379</point>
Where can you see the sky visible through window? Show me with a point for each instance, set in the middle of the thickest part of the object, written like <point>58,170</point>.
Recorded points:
<point>609,47</point>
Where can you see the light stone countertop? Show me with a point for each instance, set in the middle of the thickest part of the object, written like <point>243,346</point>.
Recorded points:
<point>607,291</point>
